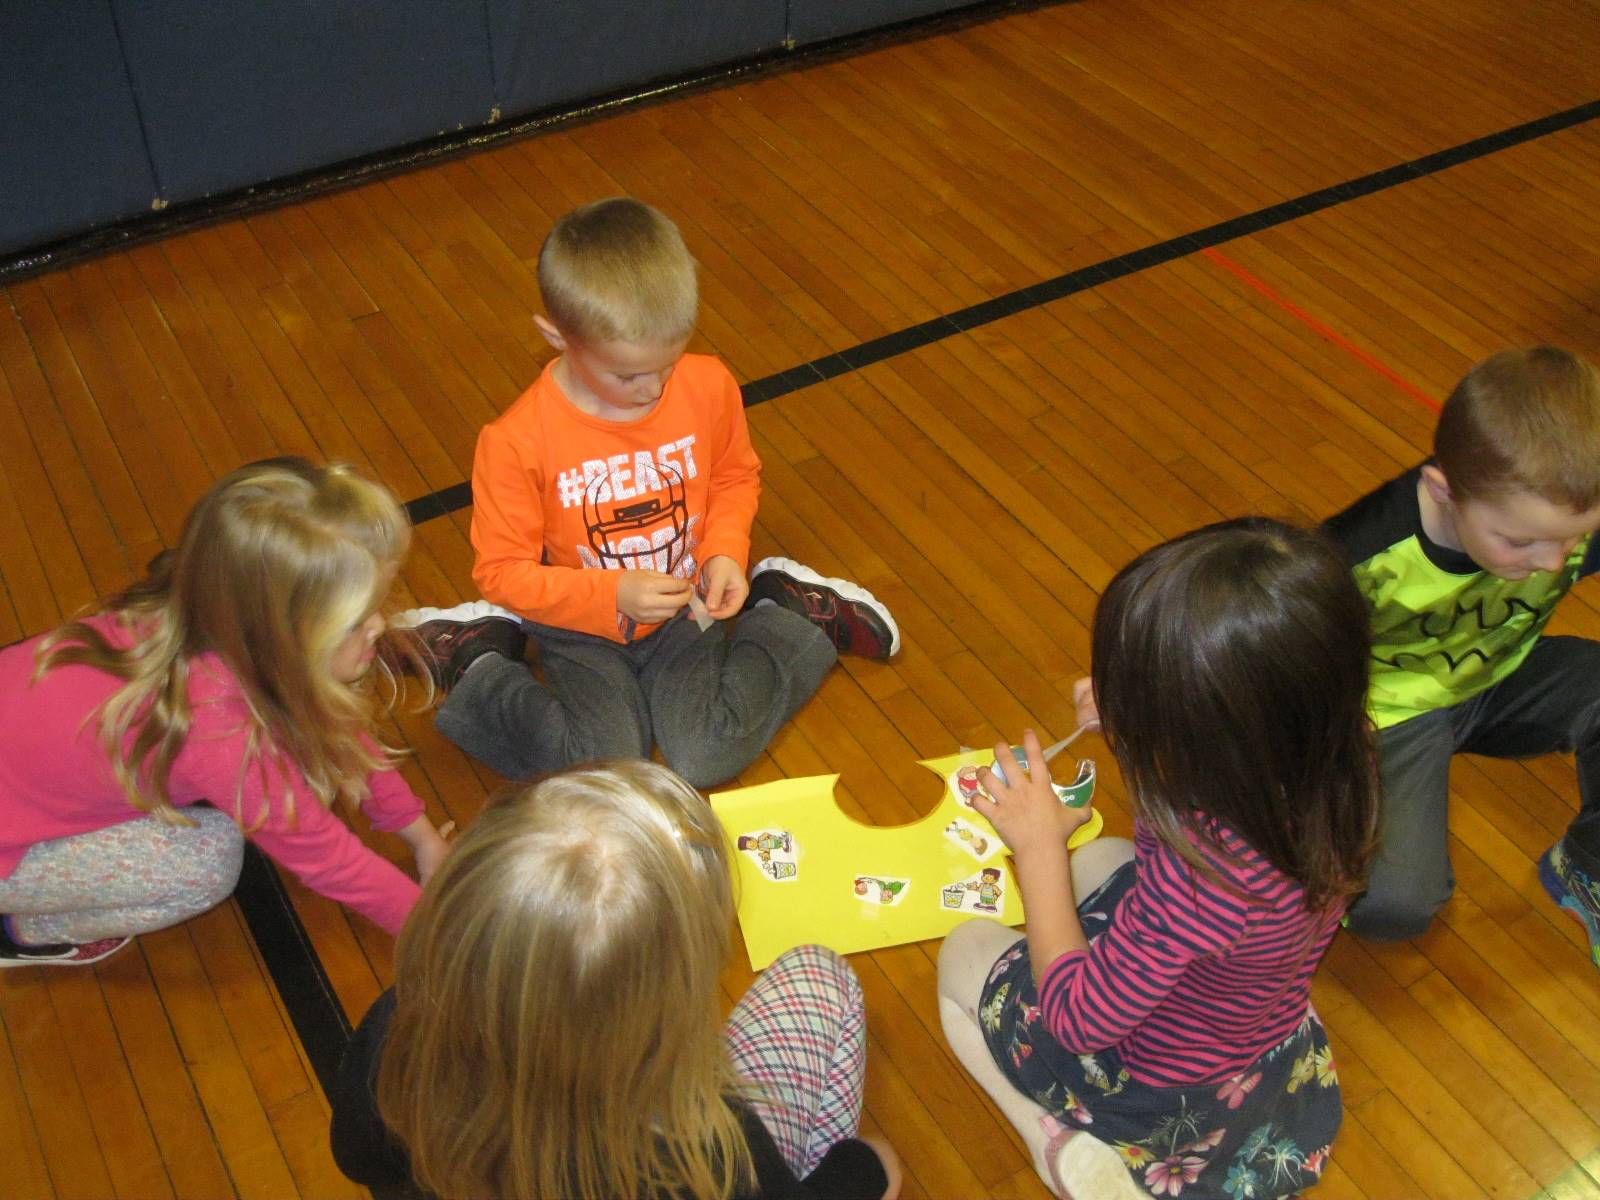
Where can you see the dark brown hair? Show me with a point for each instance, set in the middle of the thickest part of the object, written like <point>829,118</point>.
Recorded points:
<point>1524,421</point>
<point>1230,670</point>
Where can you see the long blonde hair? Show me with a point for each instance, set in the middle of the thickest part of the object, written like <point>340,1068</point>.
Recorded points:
<point>556,1029</point>
<point>276,565</point>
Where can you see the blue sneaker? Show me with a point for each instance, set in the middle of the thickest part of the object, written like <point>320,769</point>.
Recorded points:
<point>1574,890</point>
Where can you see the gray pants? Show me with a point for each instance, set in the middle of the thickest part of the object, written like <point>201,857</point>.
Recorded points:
<point>710,699</point>
<point>130,878</point>
<point>1550,703</point>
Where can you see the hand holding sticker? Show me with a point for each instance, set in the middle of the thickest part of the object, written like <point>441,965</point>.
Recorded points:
<point>1025,806</point>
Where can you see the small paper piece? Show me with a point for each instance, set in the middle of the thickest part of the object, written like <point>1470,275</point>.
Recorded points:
<point>879,890</point>
<point>775,853</point>
<point>983,894</point>
<point>976,842</point>
<point>701,614</point>
<point>964,783</point>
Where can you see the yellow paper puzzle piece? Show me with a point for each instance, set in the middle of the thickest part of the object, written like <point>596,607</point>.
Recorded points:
<point>807,872</point>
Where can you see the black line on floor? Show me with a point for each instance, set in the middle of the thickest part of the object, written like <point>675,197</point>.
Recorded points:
<point>319,1018</point>
<point>856,357</point>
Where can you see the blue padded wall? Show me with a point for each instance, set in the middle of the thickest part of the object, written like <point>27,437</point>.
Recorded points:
<point>235,92</point>
<point>71,152</point>
<point>553,52</point>
<point>108,106</point>
<point>814,20</point>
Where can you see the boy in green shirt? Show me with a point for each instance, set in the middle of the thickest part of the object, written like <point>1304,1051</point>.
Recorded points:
<point>1463,560</point>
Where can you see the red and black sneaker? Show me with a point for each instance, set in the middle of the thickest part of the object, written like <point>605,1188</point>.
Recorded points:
<point>451,639</point>
<point>855,620</point>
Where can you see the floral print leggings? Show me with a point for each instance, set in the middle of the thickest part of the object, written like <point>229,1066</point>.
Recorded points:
<point>1263,1134</point>
<point>135,877</point>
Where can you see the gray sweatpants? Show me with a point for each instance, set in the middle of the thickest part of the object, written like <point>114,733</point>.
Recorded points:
<point>712,700</point>
<point>134,877</point>
<point>1550,703</point>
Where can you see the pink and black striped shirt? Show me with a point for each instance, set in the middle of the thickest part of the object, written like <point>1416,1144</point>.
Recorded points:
<point>1191,983</point>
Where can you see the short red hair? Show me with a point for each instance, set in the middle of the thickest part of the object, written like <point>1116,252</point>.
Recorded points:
<point>1524,421</point>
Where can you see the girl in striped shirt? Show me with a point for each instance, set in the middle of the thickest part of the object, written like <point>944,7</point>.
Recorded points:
<point>1160,1001</point>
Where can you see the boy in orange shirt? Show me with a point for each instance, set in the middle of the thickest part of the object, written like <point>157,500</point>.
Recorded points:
<point>613,506</point>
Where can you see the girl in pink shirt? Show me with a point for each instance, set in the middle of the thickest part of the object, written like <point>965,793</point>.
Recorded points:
<point>231,674</point>
<point>1160,1003</point>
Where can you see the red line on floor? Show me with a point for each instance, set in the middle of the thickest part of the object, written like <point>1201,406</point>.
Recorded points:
<point>1321,328</point>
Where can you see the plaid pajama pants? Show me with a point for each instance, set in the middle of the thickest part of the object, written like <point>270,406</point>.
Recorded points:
<point>799,1035</point>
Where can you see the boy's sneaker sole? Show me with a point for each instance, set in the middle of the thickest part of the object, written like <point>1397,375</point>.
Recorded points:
<point>855,620</point>
<point>64,954</point>
<point>452,639</point>
<point>472,610</point>
<point>1554,869</point>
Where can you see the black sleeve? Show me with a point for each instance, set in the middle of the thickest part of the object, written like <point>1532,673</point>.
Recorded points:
<point>1378,520</point>
<point>362,1145</point>
<point>1591,557</point>
<point>851,1170</point>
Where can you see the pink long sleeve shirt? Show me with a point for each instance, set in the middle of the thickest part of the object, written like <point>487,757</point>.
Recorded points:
<point>1192,982</point>
<point>55,780</point>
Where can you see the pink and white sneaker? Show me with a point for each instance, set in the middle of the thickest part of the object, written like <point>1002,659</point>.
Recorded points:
<point>58,954</point>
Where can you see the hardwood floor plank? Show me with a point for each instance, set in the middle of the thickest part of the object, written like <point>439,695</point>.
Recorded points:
<point>121,1127</point>
<point>62,1120</point>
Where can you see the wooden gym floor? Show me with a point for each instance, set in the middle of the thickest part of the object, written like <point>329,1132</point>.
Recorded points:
<point>985,474</point>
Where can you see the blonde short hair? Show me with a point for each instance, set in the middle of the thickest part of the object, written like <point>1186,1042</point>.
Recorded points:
<point>1524,421</point>
<point>557,1026</point>
<point>618,270</point>
<point>275,566</point>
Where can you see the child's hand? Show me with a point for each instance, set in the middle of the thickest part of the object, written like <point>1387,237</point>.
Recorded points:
<point>1088,709</point>
<point>1025,810</point>
<point>725,586</point>
<point>650,597</point>
<point>429,846</point>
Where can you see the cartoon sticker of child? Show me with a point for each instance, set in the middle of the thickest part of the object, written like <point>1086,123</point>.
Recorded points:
<point>888,889</point>
<point>967,783</point>
<point>764,843</point>
<point>980,845</point>
<point>988,889</point>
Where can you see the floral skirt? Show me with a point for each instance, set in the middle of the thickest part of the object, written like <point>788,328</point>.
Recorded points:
<point>1263,1133</point>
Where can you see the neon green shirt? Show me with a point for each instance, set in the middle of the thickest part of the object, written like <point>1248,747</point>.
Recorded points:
<point>1443,628</point>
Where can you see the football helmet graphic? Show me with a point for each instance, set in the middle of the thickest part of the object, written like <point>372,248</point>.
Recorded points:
<point>631,535</point>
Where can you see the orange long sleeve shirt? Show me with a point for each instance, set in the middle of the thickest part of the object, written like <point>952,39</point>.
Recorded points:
<point>563,502</point>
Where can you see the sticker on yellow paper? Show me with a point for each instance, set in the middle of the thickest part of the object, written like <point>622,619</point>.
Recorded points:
<point>774,851</point>
<point>881,889</point>
<point>968,837</point>
<point>965,784</point>
<point>981,895</point>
